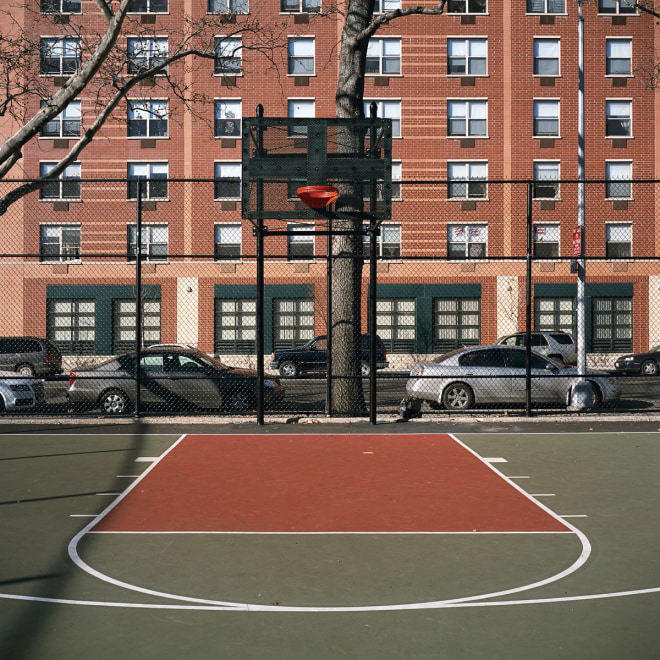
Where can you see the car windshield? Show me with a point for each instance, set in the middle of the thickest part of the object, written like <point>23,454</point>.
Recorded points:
<point>446,356</point>
<point>655,349</point>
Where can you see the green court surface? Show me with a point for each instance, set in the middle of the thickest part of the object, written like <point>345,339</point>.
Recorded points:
<point>101,556</point>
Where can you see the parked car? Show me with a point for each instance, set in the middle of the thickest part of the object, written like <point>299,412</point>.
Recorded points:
<point>174,378</point>
<point>496,374</point>
<point>18,392</point>
<point>556,345</point>
<point>647,364</point>
<point>30,356</point>
<point>313,357</point>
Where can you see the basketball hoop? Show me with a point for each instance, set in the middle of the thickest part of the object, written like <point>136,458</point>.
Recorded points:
<point>318,197</point>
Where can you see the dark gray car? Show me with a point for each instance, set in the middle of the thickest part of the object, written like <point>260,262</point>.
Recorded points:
<point>30,356</point>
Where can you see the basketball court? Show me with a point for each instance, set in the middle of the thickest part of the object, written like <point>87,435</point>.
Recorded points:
<point>302,544</point>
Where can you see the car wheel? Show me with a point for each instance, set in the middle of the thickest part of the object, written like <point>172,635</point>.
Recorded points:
<point>649,368</point>
<point>239,401</point>
<point>364,368</point>
<point>457,396</point>
<point>596,395</point>
<point>115,402</point>
<point>25,369</point>
<point>288,369</point>
<point>2,405</point>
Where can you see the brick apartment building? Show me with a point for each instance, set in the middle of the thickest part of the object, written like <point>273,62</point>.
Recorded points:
<point>483,95</point>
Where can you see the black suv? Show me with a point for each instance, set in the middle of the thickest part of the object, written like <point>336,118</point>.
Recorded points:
<point>313,356</point>
<point>30,356</point>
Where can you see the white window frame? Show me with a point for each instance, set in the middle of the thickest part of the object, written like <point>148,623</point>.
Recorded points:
<point>58,49</point>
<point>543,104</point>
<point>148,240</point>
<point>233,230</point>
<point>469,175</point>
<point>623,230</point>
<point>547,164</point>
<point>152,114</point>
<point>231,168</point>
<point>610,105</point>
<point>541,229</point>
<point>67,253</point>
<point>387,229</point>
<point>377,50</point>
<point>554,42</point>
<point>610,42</point>
<point>298,50</point>
<point>469,4</point>
<point>468,233</point>
<point>546,6</point>
<point>150,49</point>
<point>386,109</point>
<point>149,9</point>
<point>303,7</point>
<point>382,6</point>
<point>71,173</point>
<point>469,106</point>
<point>232,44</point>
<point>61,8</point>
<point>71,113</point>
<point>626,10</point>
<point>301,108</point>
<point>152,168</point>
<point>294,227</point>
<point>609,179</point>
<point>231,112</point>
<point>230,7</point>
<point>467,43</point>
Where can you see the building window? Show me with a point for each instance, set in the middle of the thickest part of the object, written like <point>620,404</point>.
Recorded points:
<point>149,7</point>
<point>546,57</point>
<point>293,322</point>
<point>546,118</point>
<point>546,180</point>
<point>61,6</point>
<point>60,57</point>
<point>395,324</point>
<point>546,7</point>
<point>65,187</point>
<point>228,56</point>
<point>301,56</point>
<point>616,7</point>
<point>467,241</point>
<point>467,118</point>
<point>227,6</point>
<point>227,181</point>
<point>618,118</point>
<point>396,185</point>
<point>466,7</point>
<point>386,5</point>
<point>71,325</point>
<point>301,6</point>
<point>456,323</point>
<point>300,246</point>
<point>383,57</point>
<point>466,57</point>
<point>612,324</point>
<point>59,243</point>
<point>467,180</point>
<point>228,242</point>
<point>618,241</point>
<point>228,115</point>
<point>386,109</point>
<point>546,241</point>
<point>235,326</point>
<point>146,53</point>
<point>618,180</point>
<point>154,176</point>
<point>300,109</point>
<point>388,244</point>
<point>124,324</point>
<point>555,314</point>
<point>147,118</point>
<point>618,61</point>
<point>66,124</point>
<point>154,242</point>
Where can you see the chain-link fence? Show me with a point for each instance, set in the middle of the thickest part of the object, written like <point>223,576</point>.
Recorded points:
<point>564,276</point>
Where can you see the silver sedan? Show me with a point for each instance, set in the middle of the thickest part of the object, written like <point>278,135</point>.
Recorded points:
<point>19,392</point>
<point>496,374</point>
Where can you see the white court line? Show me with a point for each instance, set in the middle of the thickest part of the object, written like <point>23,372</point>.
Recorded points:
<point>581,559</point>
<point>542,495</point>
<point>128,476</point>
<point>495,460</point>
<point>82,515</point>
<point>146,459</point>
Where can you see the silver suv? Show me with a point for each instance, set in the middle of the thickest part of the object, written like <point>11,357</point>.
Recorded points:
<point>555,344</point>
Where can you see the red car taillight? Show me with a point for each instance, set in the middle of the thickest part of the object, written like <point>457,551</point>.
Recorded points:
<point>72,378</point>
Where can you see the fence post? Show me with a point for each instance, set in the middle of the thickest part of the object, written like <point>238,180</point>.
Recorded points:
<point>138,295</point>
<point>528,308</point>
<point>328,304</point>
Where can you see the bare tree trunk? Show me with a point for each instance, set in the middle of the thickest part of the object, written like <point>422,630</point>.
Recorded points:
<point>347,395</point>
